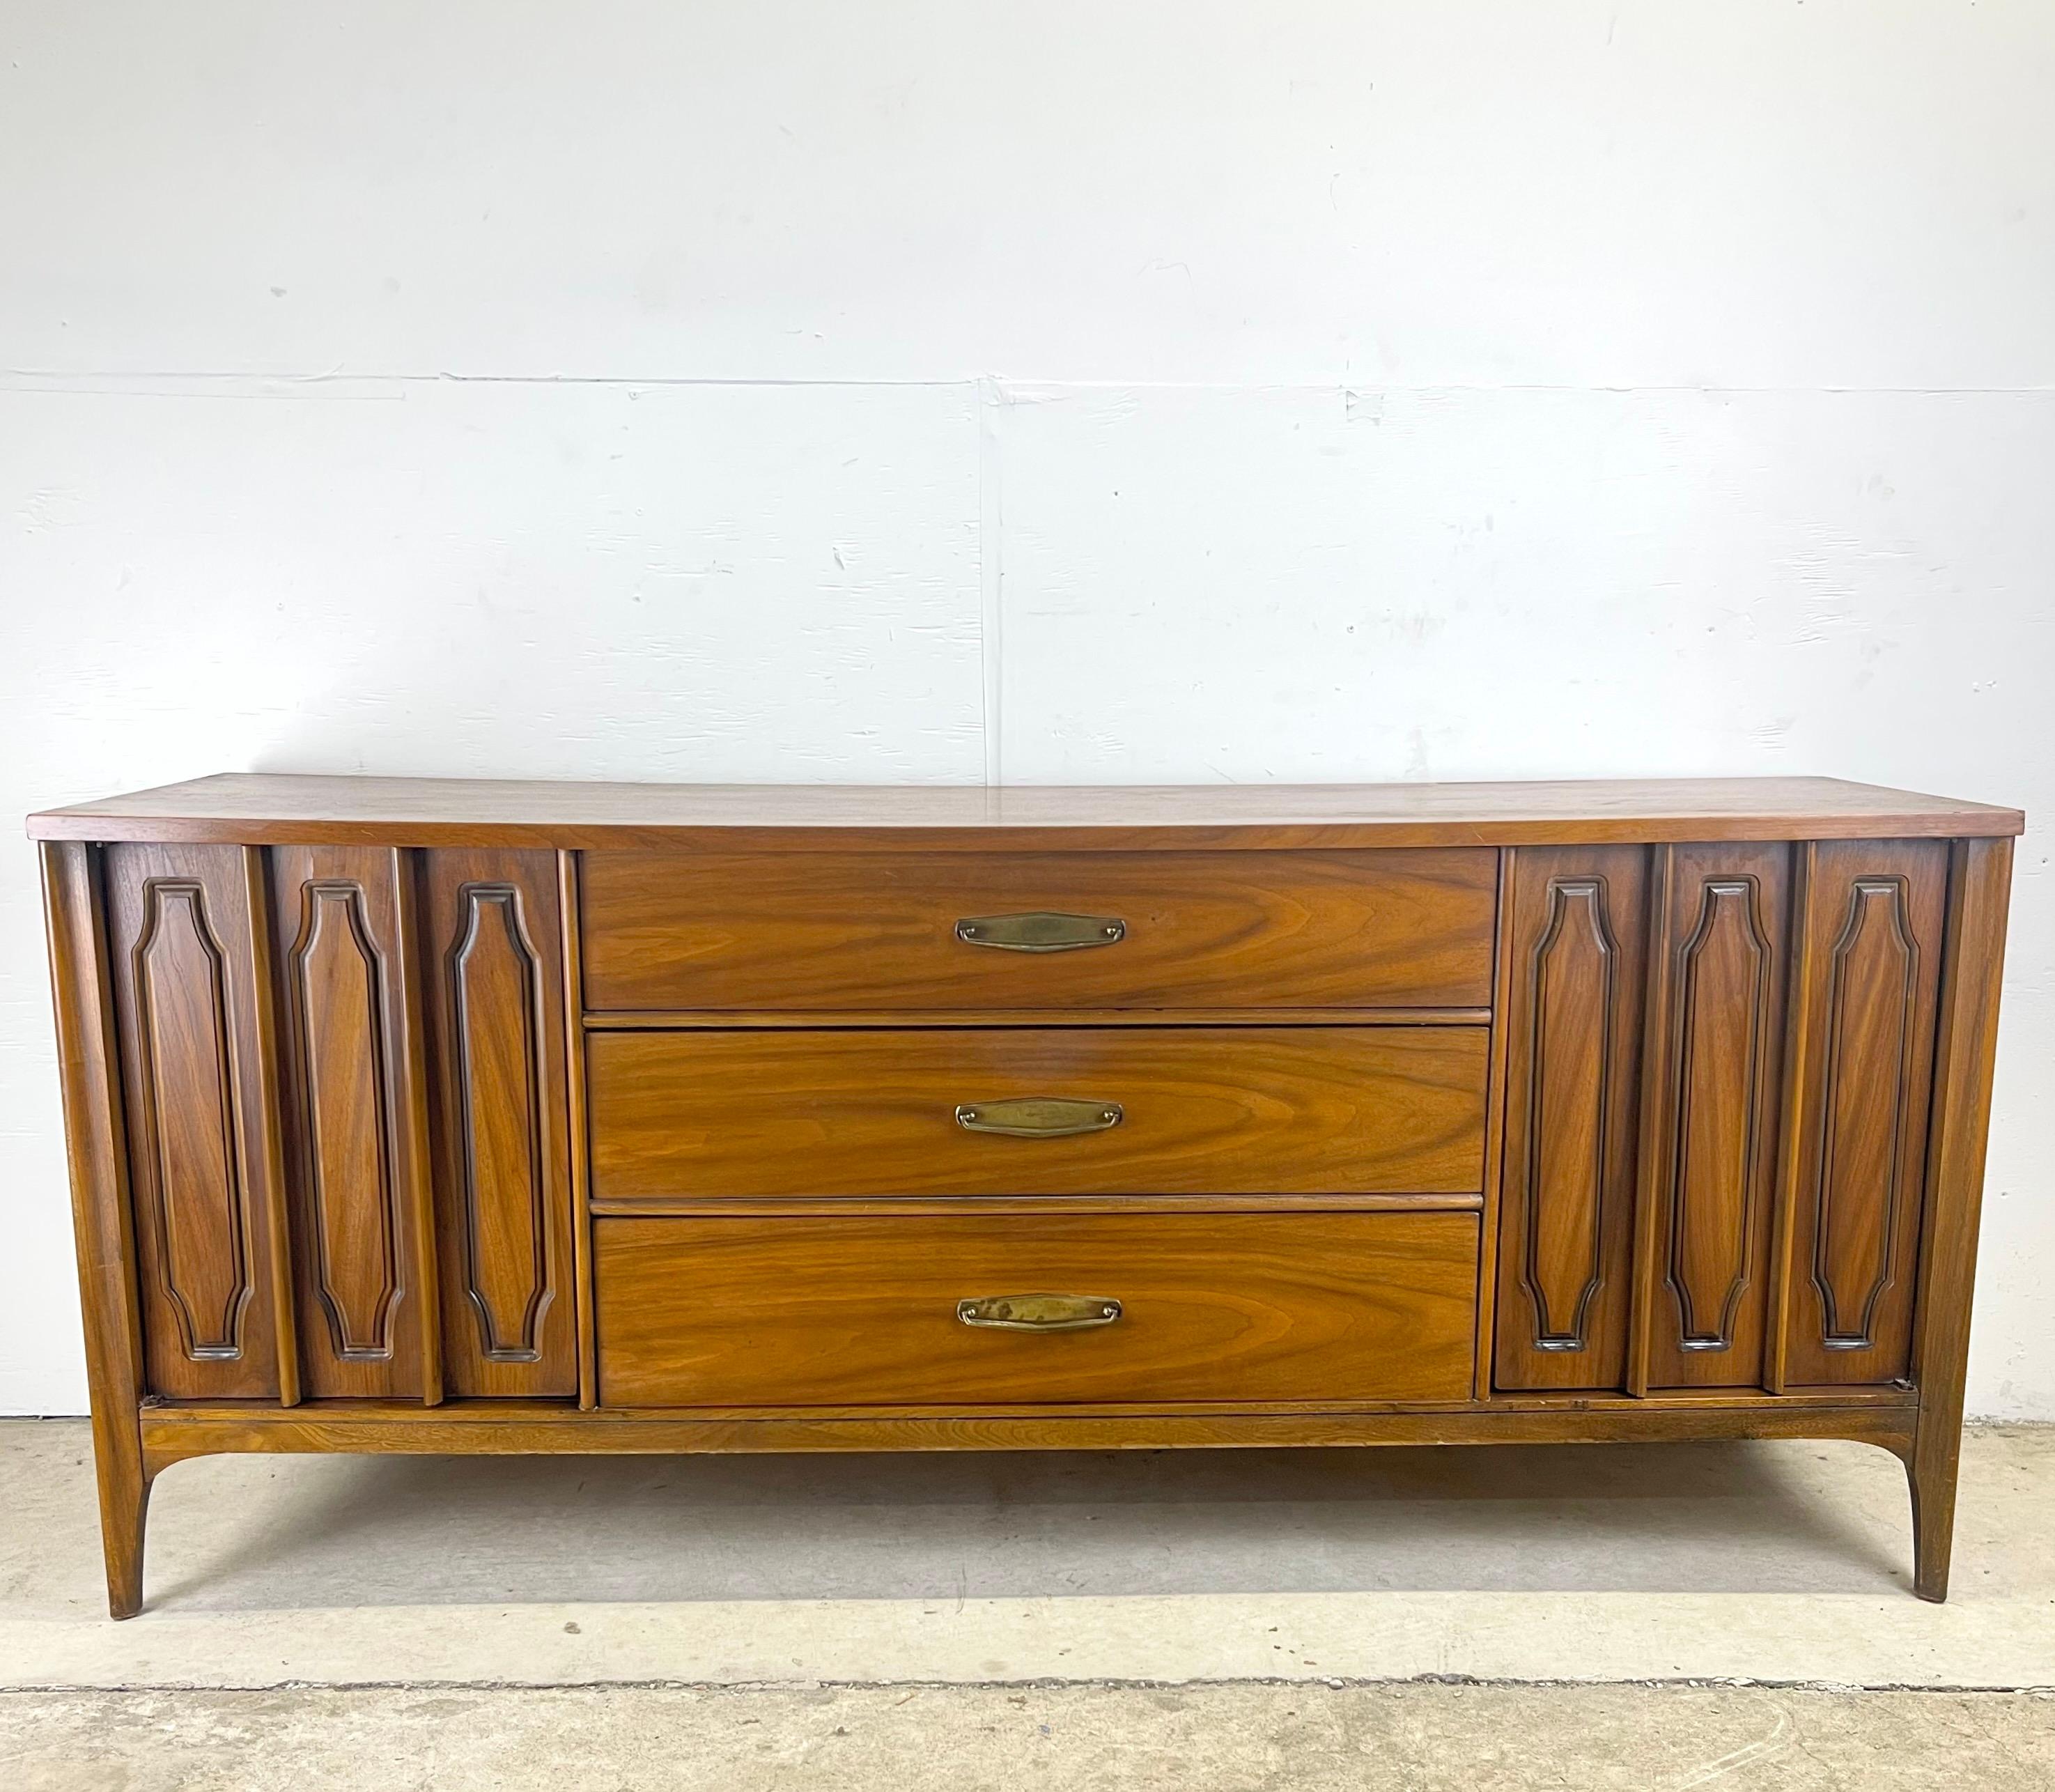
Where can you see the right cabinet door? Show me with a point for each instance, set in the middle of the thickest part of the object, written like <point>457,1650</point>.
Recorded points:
<point>1866,974</point>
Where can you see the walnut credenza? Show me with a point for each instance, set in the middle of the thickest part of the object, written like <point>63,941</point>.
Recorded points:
<point>441,1117</point>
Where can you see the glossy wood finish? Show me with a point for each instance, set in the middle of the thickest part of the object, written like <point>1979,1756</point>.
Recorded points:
<point>1577,919</point>
<point>1207,1110</point>
<point>1202,930</point>
<point>496,1037</point>
<point>87,1063</point>
<point>1241,1309</point>
<point>201,1171</point>
<point>1689,1145</point>
<point>271,809</point>
<point>355,1125</point>
<point>1870,957</point>
<point>1714,1082</point>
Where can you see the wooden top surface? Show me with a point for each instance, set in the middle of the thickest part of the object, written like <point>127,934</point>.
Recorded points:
<point>265,809</point>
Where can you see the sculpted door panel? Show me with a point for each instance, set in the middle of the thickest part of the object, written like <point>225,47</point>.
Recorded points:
<point>351,1123</point>
<point>1869,974</point>
<point>1573,1010</point>
<point>495,1018</point>
<point>1714,1109</point>
<point>184,979</point>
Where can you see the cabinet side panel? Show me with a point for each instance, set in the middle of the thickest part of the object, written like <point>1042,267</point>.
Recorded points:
<point>1572,1010</point>
<point>1873,925</point>
<point>348,1157</point>
<point>186,999</point>
<point>494,983</point>
<point>1713,1168</point>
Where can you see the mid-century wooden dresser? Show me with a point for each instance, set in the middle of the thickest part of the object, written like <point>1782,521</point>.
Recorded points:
<point>439,1116</point>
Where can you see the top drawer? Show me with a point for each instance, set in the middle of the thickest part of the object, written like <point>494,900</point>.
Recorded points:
<point>908,931</point>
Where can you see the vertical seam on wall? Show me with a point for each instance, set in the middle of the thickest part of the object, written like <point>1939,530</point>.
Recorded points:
<point>990,570</point>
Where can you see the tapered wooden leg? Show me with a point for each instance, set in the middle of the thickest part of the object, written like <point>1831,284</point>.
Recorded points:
<point>124,1505</point>
<point>1930,1470</point>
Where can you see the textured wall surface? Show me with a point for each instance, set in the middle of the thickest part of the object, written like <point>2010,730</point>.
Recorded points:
<point>951,391</point>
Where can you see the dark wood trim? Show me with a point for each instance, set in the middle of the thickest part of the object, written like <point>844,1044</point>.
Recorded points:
<point>570,918</point>
<point>1494,1135</point>
<point>1972,961</point>
<point>101,1215</point>
<point>270,1147</point>
<point>410,1075</point>
<point>1658,1073</point>
<point>1798,1023</point>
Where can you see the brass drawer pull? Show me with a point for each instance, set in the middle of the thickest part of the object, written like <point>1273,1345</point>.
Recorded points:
<point>1038,1117</point>
<point>1039,1312</point>
<point>1042,931</point>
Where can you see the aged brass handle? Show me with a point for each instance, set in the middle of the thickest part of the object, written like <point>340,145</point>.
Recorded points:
<point>1041,931</point>
<point>1038,1117</point>
<point>1039,1312</point>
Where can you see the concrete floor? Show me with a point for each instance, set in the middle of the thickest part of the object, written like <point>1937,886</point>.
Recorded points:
<point>747,1621</point>
<point>1217,1738</point>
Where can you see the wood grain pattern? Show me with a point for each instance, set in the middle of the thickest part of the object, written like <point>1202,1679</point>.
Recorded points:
<point>348,1055</point>
<point>82,990</point>
<point>1252,1308</point>
<point>1208,1111</point>
<point>1715,1078</point>
<point>188,1005</point>
<point>496,1039</point>
<point>275,809</point>
<point>877,930</point>
<point>1566,1196</point>
<point>1874,923</point>
<point>1979,890</point>
<point>172,1435</point>
<point>350,1124</point>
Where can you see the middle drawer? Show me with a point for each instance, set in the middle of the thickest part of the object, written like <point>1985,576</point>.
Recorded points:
<point>1037,1110</point>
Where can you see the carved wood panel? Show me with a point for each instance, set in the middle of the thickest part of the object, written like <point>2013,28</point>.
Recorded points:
<point>1869,975</point>
<point>179,920</point>
<point>1716,1101</point>
<point>348,1119</point>
<point>1573,1007</point>
<point>493,942</point>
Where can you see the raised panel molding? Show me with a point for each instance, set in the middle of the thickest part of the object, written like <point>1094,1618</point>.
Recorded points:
<point>496,991</point>
<point>1866,1035</point>
<point>1572,1010</point>
<point>190,989</point>
<point>493,931</point>
<point>1723,1039</point>
<point>1873,991</point>
<point>335,970</point>
<point>188,1119</point>
<point>1713,1108</point>
<point>1573,980</point>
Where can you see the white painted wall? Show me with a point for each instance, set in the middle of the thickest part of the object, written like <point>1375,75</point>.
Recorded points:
<point>1063,390</point>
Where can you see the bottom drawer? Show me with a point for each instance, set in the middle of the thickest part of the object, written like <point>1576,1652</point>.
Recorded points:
<point>1241,1309</point>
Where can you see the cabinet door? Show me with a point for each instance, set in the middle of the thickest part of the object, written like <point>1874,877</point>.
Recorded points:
<point>354,1123</point>
<point>1573,1013</point>
<point>185,997</point>
<point>1867,975</point>
<point>495,1007</point>
<point>1715,1077</point>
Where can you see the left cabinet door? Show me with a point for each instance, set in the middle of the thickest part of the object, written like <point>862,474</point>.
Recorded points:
<point>184,941</point>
